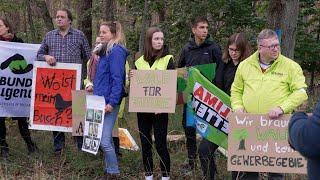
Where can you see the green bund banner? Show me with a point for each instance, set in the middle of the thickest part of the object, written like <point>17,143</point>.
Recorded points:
<point>208,108</point>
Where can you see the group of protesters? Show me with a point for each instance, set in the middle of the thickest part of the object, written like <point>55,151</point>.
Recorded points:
<point>265,82</point>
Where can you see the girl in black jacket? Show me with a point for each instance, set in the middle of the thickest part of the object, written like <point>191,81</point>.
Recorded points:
<point>155,53</point>
<point>237,49</point>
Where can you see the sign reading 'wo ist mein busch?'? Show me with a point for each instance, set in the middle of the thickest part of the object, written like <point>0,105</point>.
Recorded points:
<point>51,98</point>
<point>153,91</point>
<point>260,144</point>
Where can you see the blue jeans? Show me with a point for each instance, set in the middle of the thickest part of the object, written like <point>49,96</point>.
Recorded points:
<point>110,158</point>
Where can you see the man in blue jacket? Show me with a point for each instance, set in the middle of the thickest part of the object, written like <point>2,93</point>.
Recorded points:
<point>304,133</point>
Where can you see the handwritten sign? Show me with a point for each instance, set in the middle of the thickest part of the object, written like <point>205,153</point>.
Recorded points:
<point>51,98</point>
<point>78,112</point>
<point>153,91</point>
<point>259,144</point>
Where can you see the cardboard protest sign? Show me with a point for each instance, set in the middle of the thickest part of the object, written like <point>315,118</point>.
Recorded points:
<point>16,64</point>
<point>208,109</point>
<point>153,91</point>
<point>51,98</point>
<point>93,123</point>
<point>127,141</point>
<point>260,144</point>
<point>78,112</point>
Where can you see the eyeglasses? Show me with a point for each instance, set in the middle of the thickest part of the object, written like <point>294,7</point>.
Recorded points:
<point>234,50</point>
<point>274,46</point>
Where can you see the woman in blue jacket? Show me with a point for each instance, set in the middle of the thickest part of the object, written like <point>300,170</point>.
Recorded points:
<point>109,82</point>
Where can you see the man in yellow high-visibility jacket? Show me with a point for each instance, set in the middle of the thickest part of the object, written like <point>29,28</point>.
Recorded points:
<point>267,82</point>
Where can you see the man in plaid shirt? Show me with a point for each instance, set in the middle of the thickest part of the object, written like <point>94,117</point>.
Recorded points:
<point>66,45</point>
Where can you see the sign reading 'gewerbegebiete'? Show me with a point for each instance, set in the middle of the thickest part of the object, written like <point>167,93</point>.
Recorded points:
<point>260,144</point>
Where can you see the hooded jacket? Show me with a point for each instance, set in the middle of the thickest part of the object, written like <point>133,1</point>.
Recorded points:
<point>304,133</point>
<point>205,53</point>
<point>110,75</point>
<point>283,85</point>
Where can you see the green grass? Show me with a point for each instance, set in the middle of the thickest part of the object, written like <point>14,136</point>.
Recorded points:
<point>80,165</point>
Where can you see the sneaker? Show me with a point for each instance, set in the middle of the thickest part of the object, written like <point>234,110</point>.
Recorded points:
<point>165,178</point>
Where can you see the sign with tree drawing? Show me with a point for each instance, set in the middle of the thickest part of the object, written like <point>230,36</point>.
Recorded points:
<point>51,99</point>
<point>257,143</point>
<point>241,135</point>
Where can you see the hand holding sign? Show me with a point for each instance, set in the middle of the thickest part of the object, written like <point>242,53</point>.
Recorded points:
<point>108,108</point>
<point>50,60</point>
<point>89,88</point>
<point>275,112</point>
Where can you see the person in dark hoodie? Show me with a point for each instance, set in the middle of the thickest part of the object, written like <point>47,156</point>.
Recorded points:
<point>109,82</point>
<point>304,133</point>
<point>7,34</point>
<point>155,57</point>
<point>200,49</point>
<point>236,50</point>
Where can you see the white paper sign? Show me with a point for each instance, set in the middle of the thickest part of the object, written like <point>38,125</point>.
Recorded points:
<point>93,125</point>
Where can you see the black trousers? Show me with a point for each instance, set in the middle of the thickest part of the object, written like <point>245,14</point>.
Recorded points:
<point>206,156</point>
<point>23,128</point>
<point>191,143</point>
<point>59,141</point>
<point>159,123</point>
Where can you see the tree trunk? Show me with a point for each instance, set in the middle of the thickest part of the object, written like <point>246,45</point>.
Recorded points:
<point>160,15</point>
<point>85,18</point>
<point>314,64</point>
<point>30,20</point>
<point>108,11</point>
<point>283,17</point>
<point>143,26</point>
<point>45,15</point>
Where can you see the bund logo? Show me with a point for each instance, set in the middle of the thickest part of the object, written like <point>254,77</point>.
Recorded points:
<point>17,64</point>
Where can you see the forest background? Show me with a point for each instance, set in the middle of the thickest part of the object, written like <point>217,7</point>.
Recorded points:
<point>297,21</point>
